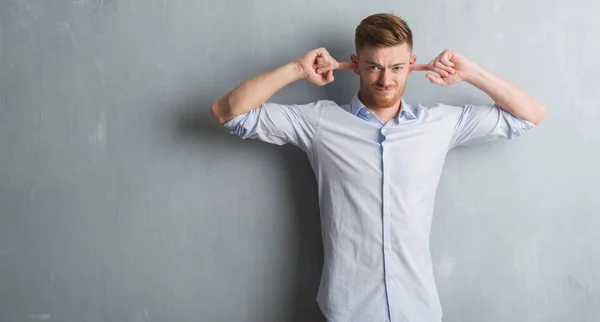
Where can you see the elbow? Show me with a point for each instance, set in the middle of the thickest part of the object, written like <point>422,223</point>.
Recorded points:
<point>215,111</point>
<point>541,111</point>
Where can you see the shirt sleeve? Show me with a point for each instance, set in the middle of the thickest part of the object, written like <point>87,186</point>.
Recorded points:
<point>477,124</point>
<point>278,124</point>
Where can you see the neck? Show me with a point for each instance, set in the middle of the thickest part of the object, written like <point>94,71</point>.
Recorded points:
<point>387,113</point>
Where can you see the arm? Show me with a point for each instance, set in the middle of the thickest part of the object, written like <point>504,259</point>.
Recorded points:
<point>254,92</point>
<point>316,66</point>
<point>508,96</point>
<point>453,68</point>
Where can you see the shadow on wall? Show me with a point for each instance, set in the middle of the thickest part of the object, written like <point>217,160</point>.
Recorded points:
<point>195,123</point>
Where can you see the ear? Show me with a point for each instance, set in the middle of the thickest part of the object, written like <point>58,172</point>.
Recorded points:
<point>354,60</point>
<point>412,62</point>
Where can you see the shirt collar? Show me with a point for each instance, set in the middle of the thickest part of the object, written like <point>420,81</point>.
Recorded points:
<point>407,110</point>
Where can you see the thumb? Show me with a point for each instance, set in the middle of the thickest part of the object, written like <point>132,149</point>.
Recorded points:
<point>435,79</point>
<point>328,77</point>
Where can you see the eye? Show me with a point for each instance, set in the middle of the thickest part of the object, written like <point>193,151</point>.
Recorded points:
<point>373,67</point>
<point>398,68</point>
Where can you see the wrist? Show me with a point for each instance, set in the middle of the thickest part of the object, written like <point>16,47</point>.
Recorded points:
<point>476,76</point>
<point>296,70</point>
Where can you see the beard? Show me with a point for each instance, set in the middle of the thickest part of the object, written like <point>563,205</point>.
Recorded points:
<point>376,99</point>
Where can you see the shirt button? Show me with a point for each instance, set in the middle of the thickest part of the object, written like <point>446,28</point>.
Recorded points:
<point>389,279</point>
<point>368,112</point>
<point>389,214</point>
<point>388,247</point>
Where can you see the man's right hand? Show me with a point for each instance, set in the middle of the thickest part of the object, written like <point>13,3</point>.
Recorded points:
<point>317,66</point>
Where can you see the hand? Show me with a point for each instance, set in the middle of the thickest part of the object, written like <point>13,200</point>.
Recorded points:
<point>451,68</point>
<point>317,66</point>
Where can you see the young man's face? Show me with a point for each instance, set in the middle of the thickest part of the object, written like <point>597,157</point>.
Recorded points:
<point>383,73</point>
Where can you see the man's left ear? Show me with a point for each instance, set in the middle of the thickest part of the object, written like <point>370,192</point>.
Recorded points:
<point>412,62</point>
<point>354,60</point>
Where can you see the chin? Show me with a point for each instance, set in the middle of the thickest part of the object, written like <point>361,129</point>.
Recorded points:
<point>385,100</point>
<point>382,99</point>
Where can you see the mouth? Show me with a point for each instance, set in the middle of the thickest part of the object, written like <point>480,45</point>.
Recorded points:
<point>384,90</point>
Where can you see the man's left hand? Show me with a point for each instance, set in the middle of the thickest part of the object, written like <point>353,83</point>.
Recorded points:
<point>451,68</point>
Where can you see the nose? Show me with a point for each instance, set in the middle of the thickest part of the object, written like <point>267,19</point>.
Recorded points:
<point>385,79</point>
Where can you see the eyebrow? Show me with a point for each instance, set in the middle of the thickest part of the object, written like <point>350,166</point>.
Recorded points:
<point>376,64</point>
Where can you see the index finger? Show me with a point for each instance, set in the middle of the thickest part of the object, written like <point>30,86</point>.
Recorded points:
<point>421,67</point>
<point>345,65</point>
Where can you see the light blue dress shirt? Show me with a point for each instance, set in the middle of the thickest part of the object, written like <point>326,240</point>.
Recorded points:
<point>377,184</point>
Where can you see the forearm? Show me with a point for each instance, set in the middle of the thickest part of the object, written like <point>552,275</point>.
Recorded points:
<point>508,96</point>
<point>254,92</point>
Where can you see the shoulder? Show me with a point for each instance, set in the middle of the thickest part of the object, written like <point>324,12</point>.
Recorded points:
<point>437,107</point>
<point>307,106</point>
<point>437,111</point>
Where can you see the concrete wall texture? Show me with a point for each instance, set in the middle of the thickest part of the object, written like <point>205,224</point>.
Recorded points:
<point>121,199</point>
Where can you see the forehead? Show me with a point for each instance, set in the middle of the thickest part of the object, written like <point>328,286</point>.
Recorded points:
<point>387,55</point>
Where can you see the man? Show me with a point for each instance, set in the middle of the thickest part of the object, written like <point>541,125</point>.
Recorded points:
<point>377,162</point>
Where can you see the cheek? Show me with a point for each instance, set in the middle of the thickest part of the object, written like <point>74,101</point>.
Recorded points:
<point>367,79</point>
<point>401,78</point>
